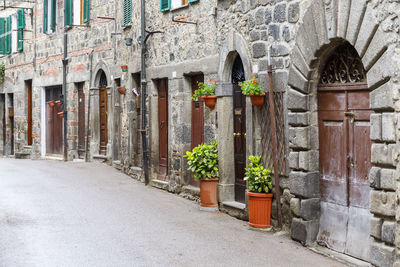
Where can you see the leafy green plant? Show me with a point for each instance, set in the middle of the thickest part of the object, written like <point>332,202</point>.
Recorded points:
<point>2,72</point>
<point>258,178</point>
<point>203,161</point>
<point>204,89</point>
<point>251,87</point>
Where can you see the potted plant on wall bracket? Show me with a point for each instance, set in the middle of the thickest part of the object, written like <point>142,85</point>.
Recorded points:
<point>260,197</point>
<point>207,92</point>
<point>254,90</point>
<point>203,162</point>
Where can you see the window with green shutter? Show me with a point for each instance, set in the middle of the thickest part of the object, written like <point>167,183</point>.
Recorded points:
<point>165,5</point>
<point>2,38</point>
<point>8,35</point>
<point>45,16</point>
<point>20,28</point>
<point>53,15</point>
<point>127,12</point>
<point>86,8</point>
<point>68,13</point>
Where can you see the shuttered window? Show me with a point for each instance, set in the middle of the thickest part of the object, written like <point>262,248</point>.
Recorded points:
<point>165,5</point>
<point>68,13</point>
<point>20,28</point>
<point>127,12</point>
<point>45,16</point>
<point>2,38</point>
<point>86,7</point>
<point>8,35</point>
<point>53,15</point>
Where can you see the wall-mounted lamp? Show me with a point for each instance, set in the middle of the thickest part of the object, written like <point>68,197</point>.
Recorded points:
<point>128,41</point>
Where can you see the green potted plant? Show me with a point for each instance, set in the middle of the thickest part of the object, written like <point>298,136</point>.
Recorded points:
<point>254,90</point>
<point>260,197</point>
<point>207,92</point>
<point>203,162</point>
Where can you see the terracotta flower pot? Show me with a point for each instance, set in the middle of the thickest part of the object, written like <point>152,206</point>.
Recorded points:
<point>257,100</point>
<point>51,104</point>
<point>210,101</point>
<point>58,103</point>
<point>208,192</point>
<point>60,114</point>
<point>122,90</point>
<point>124,68</point>
<point>260,209</point>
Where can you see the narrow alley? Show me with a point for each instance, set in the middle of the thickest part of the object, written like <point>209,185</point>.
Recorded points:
<point>78,214</point>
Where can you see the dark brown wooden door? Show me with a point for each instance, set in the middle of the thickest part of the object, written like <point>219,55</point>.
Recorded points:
<point>345,151</point>
<point>11,121</point>
<point>239,137</point>
<point>163,128</point>
<point>3,121</point>
<point>81,121</point>
<point>54,122</point>
<point>103,120</point>
<point>197,120</point>
<point>29,119</point>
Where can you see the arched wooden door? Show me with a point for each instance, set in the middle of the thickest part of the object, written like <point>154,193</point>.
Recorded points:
<point>103,113</point>
<point>344,155</point>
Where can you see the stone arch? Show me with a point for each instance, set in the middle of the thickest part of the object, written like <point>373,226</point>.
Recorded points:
<point>324,26</point>
<point>100,66</point>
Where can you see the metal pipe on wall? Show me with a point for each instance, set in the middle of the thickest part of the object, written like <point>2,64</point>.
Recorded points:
<point>64,93</point>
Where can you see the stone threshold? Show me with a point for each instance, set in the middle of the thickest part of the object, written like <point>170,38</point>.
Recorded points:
<point>54,157</point>
<point>160,184</point>
<point>235,209</point>
<point>343,258</point>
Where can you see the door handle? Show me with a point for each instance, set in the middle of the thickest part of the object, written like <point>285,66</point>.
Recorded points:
<point>351,115</point>
<point>162,124</point>
<point>237,134</point>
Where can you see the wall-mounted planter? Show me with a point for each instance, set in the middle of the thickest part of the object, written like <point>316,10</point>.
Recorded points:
<point>257,100</point>
<point>51,104</point>
<point>122,90</point>
<point>58,103</point>
<point>210,101</point>
<point>61,114</point>
<point>124,68</point>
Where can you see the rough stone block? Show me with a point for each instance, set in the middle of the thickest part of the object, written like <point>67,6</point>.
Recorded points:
<point>383,203</point>
<point>388,127</point>
<point>376,127</point>
<point>294,12</point>
<point>298,119</point>
<point>299,62</point>
<point>382,70</point>
<point>297,80</point>
<point>259,16</point>
<point>367,29</point>
<point>304,231</point>
<point>255,36</point>
<point>280,13</point>
<point>376,227</point>
<point>310,209</point>
<point>378,43</point>
<point>278,50</point>
<point>382,97</point>
<point>387,180</point>
<point>268,16</point>
<point>375,177</point>
<point>382,154</point>
<point>343,17</point>
<point>274,31</point>
<point>294,160</point>
<point>388,232</point>
<point>286,34</point>
<point>304,184</point>
<point>259,49</point>
<point>356,11</point>
<point>319,22</point>
<point>309,160</point>
<point>381,254</point>
<point>296,100</point>
<point>295,206</point>
<point>299,137</point>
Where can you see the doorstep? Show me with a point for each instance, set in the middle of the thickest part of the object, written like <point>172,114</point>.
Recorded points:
<point>54,157</point>
<point>343,258</point>
<point>235,209</point>
<point>160,184</point>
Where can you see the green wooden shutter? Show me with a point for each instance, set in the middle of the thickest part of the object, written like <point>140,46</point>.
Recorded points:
<point>165,5</point>
<point>127,12</point>
<point>192,1</point>
<point>53,15</point>
<point>45,16</point>
<point>86,7</point>
<point>8,36</point>
<point>20,27</point>
<point>68,13</point>
<point>2,39</point>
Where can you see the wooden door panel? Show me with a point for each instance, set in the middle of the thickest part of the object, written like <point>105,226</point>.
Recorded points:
<point>103,120</point>
<point>81,120</point>
<point>30,121</point>
<point>358,100</point>
<point>57,130</point>
<point>163,128</point>
<point>331,101</point>
<point>49,127</point>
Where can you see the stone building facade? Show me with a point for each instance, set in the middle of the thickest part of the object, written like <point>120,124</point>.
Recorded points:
<point>339,174</point>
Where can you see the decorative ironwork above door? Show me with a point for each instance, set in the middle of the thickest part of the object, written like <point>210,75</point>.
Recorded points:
<point>238,71</point>
<point>343,66</point>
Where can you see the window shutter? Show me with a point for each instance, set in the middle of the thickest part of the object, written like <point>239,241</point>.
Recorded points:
<point>165,5</point>
<point>68,13</point>
<point>45,16</point>
<point>8,36</point>
<point>20,27</point>
<point>86,7</point>
<point>127,12</point>
<point>2,39</point>
<point>193,1</point>
<point>53,15</point>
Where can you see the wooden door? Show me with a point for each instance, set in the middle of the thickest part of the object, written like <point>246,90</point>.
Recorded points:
<point>239,136</point>
<point>11,121</point>
<point>3,121</point>
<point>103,120</point>
<point>54,122</point>
<point>29,118</point>
<point>163,128</point>
<point>345,151</point>
<point>81,121</point>
<point>197,120</point>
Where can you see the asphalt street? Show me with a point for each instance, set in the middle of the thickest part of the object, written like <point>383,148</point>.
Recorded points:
<point>56,213</point>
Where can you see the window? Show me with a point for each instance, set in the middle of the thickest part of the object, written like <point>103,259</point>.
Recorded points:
<point>14,33</point>
<point>20,27</point>
<point>49,15</point>
<point>2,36</point>
<point>80,14</point>
<point>166,5</point>
<point>8,35</point>
<point>127,12</point>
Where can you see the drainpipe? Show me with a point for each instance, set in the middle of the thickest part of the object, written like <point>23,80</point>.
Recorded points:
<point>64,93</point>
<point>88,113</point>
<point>143,92</point>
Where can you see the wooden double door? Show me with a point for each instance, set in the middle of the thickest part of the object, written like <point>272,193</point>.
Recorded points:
<point>103,120</point>
<point>54,121</point>
<point>163,129</point>
<point>345,151</point>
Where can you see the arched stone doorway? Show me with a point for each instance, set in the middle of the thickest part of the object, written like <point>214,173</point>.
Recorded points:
<point>344,153</point>
<point>103,113</point>
<point>239,129</point>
